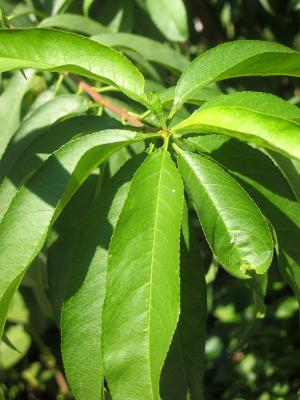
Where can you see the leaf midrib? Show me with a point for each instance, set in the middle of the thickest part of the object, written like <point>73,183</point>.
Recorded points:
<point>152,262</point>
<point>220,216</point>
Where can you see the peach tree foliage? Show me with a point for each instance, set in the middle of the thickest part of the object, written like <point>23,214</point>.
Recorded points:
<point>133,304</point>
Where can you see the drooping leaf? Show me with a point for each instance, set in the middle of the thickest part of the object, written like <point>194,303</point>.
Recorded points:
<point>234,59</point>
<point>169,17</point>
<point>259,118</point>
<point>141,306</point>
<point>82,310</point>
<point>183,372</point>
<point>49,141</point>
<point>73,22</point>
<point>57,51</point>
<point>259,284</point>
<point>10,107</point>
<point>40,201</point>
<point>33,126</point>
<point>267,186</point>
<point>234,227</point>
<point>150,49</point>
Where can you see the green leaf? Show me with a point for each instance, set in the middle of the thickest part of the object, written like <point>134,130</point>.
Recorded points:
<point>259,284</point>
<point>254,117</point>
<point>183,372</point>
<point>234,59</point>
<point>291,171</point>
<point>234,227</point>
<point>82,310</point>
<point>57,51</point>
<point>198,97</point>
<point>37,204</point>
<point>49,141</point>
<point>271,192</point>
<point>150,49</point>
<point>10,106</point>
<point>73,22</point>
<point>35,123</point>
<point>87,4</point>
<point>141,306</point>
<point>21,341</point>
<point>169,17</point>
<point>62,242</point>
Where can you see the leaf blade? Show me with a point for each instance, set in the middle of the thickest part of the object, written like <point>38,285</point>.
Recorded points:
<point>82,310</point>
<point>153,294</point>
<point>20,48</point>
<point>43,198</point>
<point>234,227</point>
<point>259,118</point>
<point>233,59</point>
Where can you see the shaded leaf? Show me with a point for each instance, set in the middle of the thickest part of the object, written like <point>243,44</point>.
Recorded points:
<point>169,17</point>
<point>183,372</point>
<point>34,124</point>
<point>73,22</point>
<point>150,49</point>
<point>10,107</point>
<point>43,198</point>
<point>82,310</point>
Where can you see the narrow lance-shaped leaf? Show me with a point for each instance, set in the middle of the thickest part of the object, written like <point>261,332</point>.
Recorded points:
<point>10,106</point>
<point>62,240</point>
<point>150,49</point>
<point>141,306</point>
<point>49,141</point>
<point>234,59</point>
<point>183,371</point>
<point>169,17</point>
<point>291,171</point>
<point>53,50</point>
<point>82,310</point>
<point>271,192</point>
<point>43,198</point>
<point>34,124</point>
<point>73,22</point>
<point>258,118</point>
<point>234,227</point>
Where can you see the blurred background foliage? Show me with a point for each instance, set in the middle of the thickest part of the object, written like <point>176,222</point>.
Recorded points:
<point>246,357</point>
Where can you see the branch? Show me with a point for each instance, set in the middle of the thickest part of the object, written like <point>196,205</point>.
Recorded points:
<point>124,114</point>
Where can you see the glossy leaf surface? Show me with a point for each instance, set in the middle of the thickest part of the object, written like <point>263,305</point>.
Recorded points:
<point>234,227</point>
<point>234,59</point>
<point>143,275</point>
<point>259,118</point>
<point>43,198</point>
<point>53,50</point>
<point>267,186</point>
